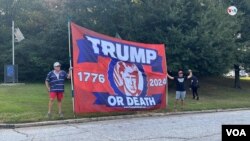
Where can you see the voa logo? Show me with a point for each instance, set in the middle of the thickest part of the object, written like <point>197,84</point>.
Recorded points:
<point>236,132</point>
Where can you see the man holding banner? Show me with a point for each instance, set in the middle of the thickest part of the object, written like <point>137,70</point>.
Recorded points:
<point>55,84</point>
<point>180,87</point>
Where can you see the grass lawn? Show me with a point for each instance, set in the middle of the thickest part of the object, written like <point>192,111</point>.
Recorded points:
<point>245,78</point>
<point>216,94</point>
<point>28,103</point>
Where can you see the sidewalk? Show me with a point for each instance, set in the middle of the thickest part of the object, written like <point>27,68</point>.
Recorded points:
<point>84,120</point>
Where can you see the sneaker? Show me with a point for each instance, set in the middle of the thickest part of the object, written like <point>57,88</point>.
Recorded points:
<point>193,97</point>
<point>61,115</point>
<point>197,98</point>
<point>49,115</point>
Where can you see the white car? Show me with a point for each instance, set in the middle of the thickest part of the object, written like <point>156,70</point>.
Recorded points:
<point>243,73</point>
<point>230,74</point>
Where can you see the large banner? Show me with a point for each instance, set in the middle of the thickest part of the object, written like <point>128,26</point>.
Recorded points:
<point>111,74</point>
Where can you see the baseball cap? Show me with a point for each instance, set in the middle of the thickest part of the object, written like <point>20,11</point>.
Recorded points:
<point>56,64</point>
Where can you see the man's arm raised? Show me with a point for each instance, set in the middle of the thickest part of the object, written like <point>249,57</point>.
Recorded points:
<point>170,77</point>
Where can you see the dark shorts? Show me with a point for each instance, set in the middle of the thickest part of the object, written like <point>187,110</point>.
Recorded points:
<point>58,95</point>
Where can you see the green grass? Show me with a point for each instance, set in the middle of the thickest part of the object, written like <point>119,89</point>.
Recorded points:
<point>29,103</point>
<point>216,94</point>
<point>245,78</point>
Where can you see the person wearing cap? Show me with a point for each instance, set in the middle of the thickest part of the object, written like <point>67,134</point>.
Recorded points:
<point>180,86</point>
<point>55,84</point>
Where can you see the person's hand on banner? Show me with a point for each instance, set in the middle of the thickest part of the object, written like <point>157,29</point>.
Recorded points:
<point>69,74</point>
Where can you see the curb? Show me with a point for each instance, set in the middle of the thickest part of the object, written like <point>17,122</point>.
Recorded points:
<point>85,120</point>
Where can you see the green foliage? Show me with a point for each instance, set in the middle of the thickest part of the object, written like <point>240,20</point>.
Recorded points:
<point>198,34</point>
<point>243,53</point>
<point>45,39</point>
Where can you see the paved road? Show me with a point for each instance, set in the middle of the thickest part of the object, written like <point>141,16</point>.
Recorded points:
<point>189,127</point>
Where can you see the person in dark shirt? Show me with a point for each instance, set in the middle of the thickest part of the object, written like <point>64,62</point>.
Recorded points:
<point>194,87</point>
<point>180,86</point>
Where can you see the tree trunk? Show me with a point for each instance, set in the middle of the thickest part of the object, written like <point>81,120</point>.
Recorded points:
<point>237,76</point>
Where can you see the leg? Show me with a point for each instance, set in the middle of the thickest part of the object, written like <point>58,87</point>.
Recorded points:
<point>175,104</point>
<point>177,97</point>
<point>60,109</point>
<point>59,103</point>
<point>52,96</point>
<point>183,95</point>
<point>193,91</point>
<point>182,104</point>
<point>196,91</point>
<point>51,101</point>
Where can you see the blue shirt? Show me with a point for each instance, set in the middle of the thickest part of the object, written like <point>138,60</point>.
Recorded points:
<point>56,84</point>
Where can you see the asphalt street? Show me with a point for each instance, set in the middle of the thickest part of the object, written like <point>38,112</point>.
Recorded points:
<point>186,127</point>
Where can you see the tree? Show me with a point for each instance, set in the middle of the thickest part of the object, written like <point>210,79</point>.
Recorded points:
<point>198,34</point>
<point>45,31</point>
<point>194,36</point>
